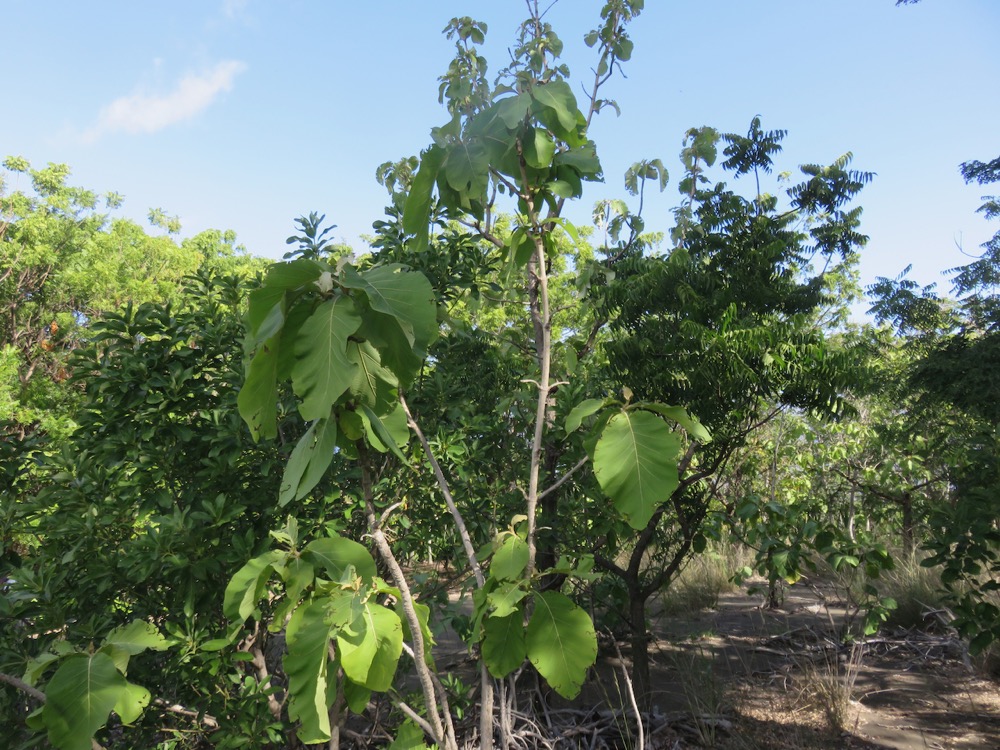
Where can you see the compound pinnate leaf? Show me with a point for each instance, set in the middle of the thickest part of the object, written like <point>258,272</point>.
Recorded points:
<point>561,642</point>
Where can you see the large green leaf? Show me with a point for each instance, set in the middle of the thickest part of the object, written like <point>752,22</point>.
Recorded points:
<point>408,737</point>
<point>79,697</point>
<point>247,586</point>
<point>132,702</point>
<point>370,647</point>
<point>395,350</point>
<point>417,209</point>
<point>386,433</point>
<point>466,168</point>
<point>322,371</point>
<point>129,640</point>
<point>265,312</point>
<point>510,559</point>
<point>558,110</point>
<point>635,462</point>
<point>503,645</point>
<point>293,274</point>
<point>405,295</point>
<point>258,398</point>
<point>561,642</point>
<point>334,554</point>
<point>373,384</point>
<point>309,461</point>
<point>538,148</point>
<point>306,664</point>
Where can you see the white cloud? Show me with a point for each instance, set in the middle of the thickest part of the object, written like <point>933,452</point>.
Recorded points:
<point>233,8</point>
<point>148,113</point>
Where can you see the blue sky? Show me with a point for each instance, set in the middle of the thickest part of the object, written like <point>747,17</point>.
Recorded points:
<point>243,114</point>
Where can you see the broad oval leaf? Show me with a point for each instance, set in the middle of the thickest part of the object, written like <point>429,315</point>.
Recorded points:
<point>334,554</point>
<point>79,697</point>
<point>132,702</point>
<point>561,642</point>
<point>371,646</point>
<point>510,559</point>
<point>136,637</point>
<point>404,295</point>
<point>503,646</point>
<point>635,462</point>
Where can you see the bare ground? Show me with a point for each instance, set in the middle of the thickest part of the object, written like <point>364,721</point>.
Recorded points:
<point>741,677</point>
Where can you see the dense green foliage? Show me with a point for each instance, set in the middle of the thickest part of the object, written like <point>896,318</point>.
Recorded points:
<point>209,545</point>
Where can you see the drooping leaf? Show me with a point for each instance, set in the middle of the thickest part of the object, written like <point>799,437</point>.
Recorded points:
<point>265,312</point>
<point>79,698</point>
<point>322,371</point>
<point>334,554</point>
<point>373,385</point>
<point>386,433</point>
<point>417,209</point>
<point>510,559</point>
<point>581,411</point>
<point>504,647</point>
<point>538,148</point>
<point>293,274</point>
<point>583,159</point>
<point>466,168</point>
<point>635,462</point>
<point>306,664</point>
<point>370,647</point>
<point>405,295</point>
<point>258,398</point>
<point>692,426</point>
<point>561,642</point>
<point>559,109</point>
<point>309,461</point>
<point>423,617</point>
<point>247,586</point>
<point>357,696</point>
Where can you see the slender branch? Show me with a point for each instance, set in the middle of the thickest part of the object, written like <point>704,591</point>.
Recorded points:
<point>206,720</point>
<point>23,686</point>
<point>443,485</point>
<point>565,477</point>
<point>437,732</point>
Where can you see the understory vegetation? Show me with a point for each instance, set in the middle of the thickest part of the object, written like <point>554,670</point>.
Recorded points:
<point>245,503</point>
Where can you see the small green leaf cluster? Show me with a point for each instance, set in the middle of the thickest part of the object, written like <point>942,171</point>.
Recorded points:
<point>343,643</point>
<point>348,340</point>
<point>514,620</point>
